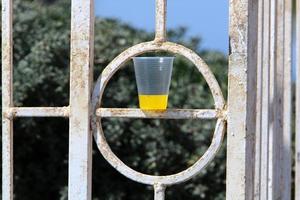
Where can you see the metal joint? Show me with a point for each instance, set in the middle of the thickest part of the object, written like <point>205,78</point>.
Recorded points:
<point>9,114</point>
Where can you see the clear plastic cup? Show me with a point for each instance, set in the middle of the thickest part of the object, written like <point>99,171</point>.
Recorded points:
<point>153,77</point>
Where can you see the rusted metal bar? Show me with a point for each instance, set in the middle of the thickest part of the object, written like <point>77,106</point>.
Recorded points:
<point>161,12</point>
<point>38,112</point>
<point>168,114</point>
<point>297,142</point>
<point>80,140</point>
<point>7,99</point>
<point>242,99</point>
<point>159,192</point>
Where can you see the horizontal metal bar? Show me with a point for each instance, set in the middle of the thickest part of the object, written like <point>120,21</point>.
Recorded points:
<point>167,114</point>
<point>38,112</point>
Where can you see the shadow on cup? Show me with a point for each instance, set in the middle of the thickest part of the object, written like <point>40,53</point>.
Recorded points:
<point>153,78</point>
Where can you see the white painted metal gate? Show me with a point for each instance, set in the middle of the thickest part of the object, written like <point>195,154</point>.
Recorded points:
<point>258,112</point>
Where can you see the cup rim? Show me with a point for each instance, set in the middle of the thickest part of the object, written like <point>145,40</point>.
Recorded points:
<point>153,57</point>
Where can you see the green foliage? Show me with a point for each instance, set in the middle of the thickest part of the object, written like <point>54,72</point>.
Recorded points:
<point>41,78</point>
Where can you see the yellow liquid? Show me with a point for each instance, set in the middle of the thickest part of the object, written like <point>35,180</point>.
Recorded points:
<point>153,102</point>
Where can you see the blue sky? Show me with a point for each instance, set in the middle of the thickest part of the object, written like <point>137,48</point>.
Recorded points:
<point>205,18</point>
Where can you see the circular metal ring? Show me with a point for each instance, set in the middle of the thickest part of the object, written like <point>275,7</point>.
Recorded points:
<point>100,139</point>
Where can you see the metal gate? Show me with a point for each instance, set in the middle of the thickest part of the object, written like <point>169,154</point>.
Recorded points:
<point>258,113</point>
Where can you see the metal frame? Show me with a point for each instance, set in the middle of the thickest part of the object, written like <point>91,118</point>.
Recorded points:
<point>242,99</point>
<point>158,182</point>
<point>7,101</point>
<point>253,172</point>
<point>80,144</point>
<point>158,44</point>
<point>81,81</point>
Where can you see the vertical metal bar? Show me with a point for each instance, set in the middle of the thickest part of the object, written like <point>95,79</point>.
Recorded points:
<point>259,100</point>
<point>80,139</point>
<point>272,100</point>
<point>275,162</point>
<point>287,102</point>
<point>279,186</point>
<point>7,100</point>
<point>161,12</point>
<point>242,99</point>
<point>159,192</point>
<point>258,136</point>
<point>265,102</point>
<point>297,153</point>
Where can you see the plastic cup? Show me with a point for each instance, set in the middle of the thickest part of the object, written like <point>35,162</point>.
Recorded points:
<point>153,77</point>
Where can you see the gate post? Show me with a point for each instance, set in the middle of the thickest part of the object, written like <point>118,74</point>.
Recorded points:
<point>81,76</point>
<point>242,99</point>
